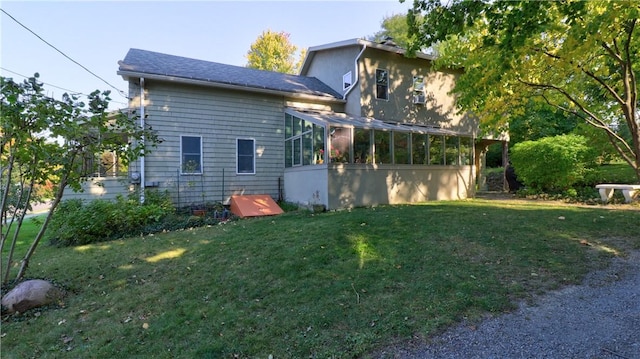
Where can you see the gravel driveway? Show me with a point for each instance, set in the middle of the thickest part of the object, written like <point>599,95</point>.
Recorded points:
<point>598,319</point>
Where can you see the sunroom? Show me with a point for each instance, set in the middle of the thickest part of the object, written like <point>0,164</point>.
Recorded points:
<point>342,161</point>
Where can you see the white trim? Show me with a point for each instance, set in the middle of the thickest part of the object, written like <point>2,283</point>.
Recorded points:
<point>253,153</point>
<point>201,156</point>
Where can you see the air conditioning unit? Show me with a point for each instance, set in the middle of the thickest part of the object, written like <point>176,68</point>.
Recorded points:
<point>419,99</point>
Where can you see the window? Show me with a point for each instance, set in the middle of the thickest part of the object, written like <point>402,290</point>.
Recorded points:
<point>466,151</point>
<point>245,154</point>
<point>362,145</point>
<point>346,81</point>
<point>419,96</point>
<point>382,146</point>
<point>452,150</point>
<point>382,84</point>
<point>419,148</point>
<point>340,143</point>
<point>191,154</point>
<point>304,142</point>
<point>436,150</point>
<point>401,149</point>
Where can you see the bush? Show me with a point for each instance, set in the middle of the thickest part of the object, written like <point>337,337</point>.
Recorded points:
<point>553,164</point>
<point>76,223</point>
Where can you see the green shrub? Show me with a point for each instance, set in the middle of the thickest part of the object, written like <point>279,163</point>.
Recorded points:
<point>76,223</point>
<point>553,164</point>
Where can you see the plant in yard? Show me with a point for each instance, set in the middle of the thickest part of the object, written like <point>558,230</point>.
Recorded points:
<point>47,141</point>
<point>337,284</point>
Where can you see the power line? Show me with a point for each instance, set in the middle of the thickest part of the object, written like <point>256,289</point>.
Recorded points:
<point>122,93</point>
<point>58,87</point>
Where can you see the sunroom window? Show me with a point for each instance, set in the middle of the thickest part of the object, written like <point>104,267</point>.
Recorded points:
<point>304,142</point>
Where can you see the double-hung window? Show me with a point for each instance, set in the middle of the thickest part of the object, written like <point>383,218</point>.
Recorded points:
<point>382,84</point>
<point>191,154</point>
<point>245,155</point>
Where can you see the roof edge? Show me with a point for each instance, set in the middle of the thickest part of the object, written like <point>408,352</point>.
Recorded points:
<point>134,74</point>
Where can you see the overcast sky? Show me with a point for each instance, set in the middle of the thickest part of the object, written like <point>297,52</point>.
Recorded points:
<point>98,34</point>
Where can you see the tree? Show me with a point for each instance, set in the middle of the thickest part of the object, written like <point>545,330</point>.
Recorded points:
<point>579,57</point>
<point>272,51</point>
<point>46,140</point>
<point>394,27</point>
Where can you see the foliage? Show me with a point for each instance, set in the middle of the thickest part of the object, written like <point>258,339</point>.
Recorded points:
<point>394,27</point>
<point>45,142</point>
<point>577,56</point>
<point>552,163</point>
<point>272,51</point>
<point>299,285</point>
<point>77,223</point>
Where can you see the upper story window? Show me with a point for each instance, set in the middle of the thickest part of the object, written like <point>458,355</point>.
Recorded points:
<point>419,95</point>
<point>245,154</point>
<point>191,154</point>
<point>382,84</point>
<point>346,81</point>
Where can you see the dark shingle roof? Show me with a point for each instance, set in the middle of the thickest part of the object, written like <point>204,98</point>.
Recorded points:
<point>153,63</point>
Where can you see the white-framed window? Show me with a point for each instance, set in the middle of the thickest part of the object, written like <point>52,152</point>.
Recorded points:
<point>245,156</point>
<point>346,81</point>
<point>419,95</point>
<point>191,154</point>
<point>382,84</point>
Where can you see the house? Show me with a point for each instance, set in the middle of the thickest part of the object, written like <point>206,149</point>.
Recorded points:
<point>361,125</point>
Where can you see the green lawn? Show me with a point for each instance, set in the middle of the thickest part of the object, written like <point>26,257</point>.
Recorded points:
<point>337,284</point>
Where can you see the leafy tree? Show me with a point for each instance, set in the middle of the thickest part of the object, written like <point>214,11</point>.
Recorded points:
<point>577,56</point>
<point>272,51</point>
<point>394,27</point>
<point>45,141</point>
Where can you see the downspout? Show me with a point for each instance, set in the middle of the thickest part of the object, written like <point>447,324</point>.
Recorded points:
<point>142,139</point>
<point>355,81</point>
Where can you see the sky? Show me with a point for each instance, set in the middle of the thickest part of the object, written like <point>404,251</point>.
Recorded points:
<point>98,34</point>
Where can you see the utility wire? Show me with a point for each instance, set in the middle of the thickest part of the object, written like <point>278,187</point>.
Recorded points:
<point>63,54</point>
<point>58,87</point>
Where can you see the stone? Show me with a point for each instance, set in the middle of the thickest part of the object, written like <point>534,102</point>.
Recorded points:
<point>30,294</point>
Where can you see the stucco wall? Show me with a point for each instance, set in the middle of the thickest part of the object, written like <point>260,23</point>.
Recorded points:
<point>364,185</point>
<point>306,185</point>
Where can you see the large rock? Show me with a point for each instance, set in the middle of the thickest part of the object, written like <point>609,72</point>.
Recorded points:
<point>30,294</point>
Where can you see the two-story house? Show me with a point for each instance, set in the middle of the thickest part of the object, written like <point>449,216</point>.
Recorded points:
<point>361,125</point>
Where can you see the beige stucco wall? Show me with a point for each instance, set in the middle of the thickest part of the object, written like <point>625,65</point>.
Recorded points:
<point>439,109</point>
<point>365,185</point>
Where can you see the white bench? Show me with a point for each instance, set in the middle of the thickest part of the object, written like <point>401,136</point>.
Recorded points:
<point>628,190</point>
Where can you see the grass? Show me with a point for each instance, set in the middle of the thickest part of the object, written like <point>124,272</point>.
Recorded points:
<point>336,284</point>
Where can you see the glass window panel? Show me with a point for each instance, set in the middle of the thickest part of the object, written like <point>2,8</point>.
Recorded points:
<point>297,126</point>
<point>466,151</point>
<point>401,150</point>
<point>288,153</point>
<point>288,126</point>
<point>191,149</point>
<point>297,151</point>
<point>318,144</point>
<point>245,156</point>
<point>436,150</point>
<point>419,148</point>
<point>362,145</point>
<point>307,148</point>
<point>340,142</point>
<point>382,146</point>
<point>382,84</point>
<point>451,150</point>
